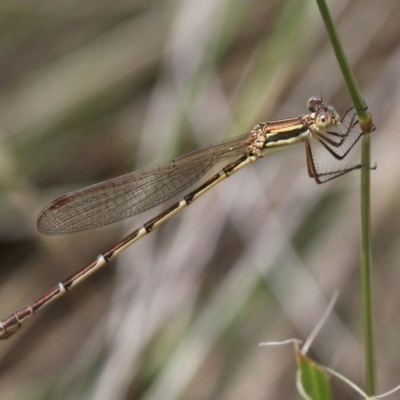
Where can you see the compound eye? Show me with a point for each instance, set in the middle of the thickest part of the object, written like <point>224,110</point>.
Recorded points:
<point>313,104</point>
<point>323,120</point>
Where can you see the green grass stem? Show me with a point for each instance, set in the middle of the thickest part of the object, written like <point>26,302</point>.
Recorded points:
<point>366,125</point>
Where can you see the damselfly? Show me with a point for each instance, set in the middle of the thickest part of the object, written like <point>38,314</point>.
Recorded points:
<point>133,193</point>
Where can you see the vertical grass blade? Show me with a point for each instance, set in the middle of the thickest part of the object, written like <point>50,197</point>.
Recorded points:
<point>366,125</point>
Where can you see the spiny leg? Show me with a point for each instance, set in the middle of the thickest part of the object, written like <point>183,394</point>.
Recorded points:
<point>322,177</point>
<point>342,135</point>
<point>335,147</point>
<point>335,152</point>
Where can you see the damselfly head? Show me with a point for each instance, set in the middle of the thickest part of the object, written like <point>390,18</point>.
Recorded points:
<point>324,115</point>
<point>324,118</point>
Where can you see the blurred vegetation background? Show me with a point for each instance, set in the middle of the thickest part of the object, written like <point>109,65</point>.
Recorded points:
<point>92,90</point>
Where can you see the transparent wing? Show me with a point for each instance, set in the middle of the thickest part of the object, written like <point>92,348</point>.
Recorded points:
<point>133,193</point>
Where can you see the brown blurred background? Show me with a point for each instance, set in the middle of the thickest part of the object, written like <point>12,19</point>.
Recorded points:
<point>90,90</point>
